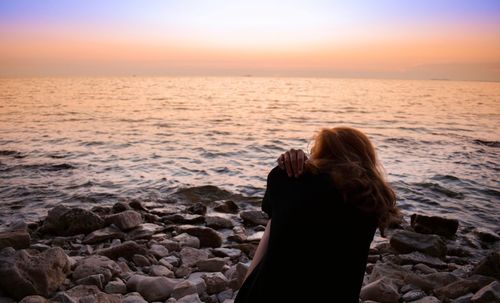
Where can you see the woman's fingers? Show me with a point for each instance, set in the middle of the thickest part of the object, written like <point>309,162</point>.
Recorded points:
<point>300,162</point>
<point>288,166</point>
<point>293,162</point>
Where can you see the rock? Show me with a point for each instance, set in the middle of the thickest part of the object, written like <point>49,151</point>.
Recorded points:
<point>17,239</point>
<point>254,217</point>
<point>198,282</point>
<point>116,287</point>
<point>388,270</point>
<point>216,282</point>
<point>152,288</point>
<point>97,280</point>
<point>424,269</point>
<point>236,275</point>
<point>413,295</point>
<point>256,237</point>
<point>434,225</point>
<point>489,266</point>
<point>144,231</point>
<point>170,261</point>
<point>211,265</point>
<point>231,253</point>
<point>94,265</point>
<point>126,250</point>
<point>197,208</point>
<point>227,206</point>
<point>406,242</point>
<point>172,245</point>
<point>183,271</point>
<point>63,297</point>
<point>190,256</point>
<point>183,289</point>
<point>218,222</point>
<point>103,234</point>
<point>381,290</point>
<point>159,251</point>
<point>418,257</point>
<point>160,270</point>
<point>33,299</point>
<point>225,295</point>
<point>462,287</point>
<point>183,219</point>
<point>463,299</point>
<point>487,294</point>
<point>204,194</point>
<point>247,248</point>
<point>486,235</point>
<point>90,293</point>
<point>187,240</point>
<point>62,220</point>
<point>23,274</point>
<point>134,298</point>
<point>140,260</point>
<point>118,207</point>
<point>207,236</point>
<point>432,281</point>
<point>239,234</point>
<point>428,299</point>
<point>194,298</point>
<point>125,220</point>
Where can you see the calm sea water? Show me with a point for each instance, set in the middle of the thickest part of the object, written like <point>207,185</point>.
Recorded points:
<point>88,141</point>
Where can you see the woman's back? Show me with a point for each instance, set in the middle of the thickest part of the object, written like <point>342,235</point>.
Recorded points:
<point>317,246</point>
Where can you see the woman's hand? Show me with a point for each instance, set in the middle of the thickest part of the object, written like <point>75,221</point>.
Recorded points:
<point>293,161</point>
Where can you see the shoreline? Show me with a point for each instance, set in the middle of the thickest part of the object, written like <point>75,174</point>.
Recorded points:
<point>196,245</point>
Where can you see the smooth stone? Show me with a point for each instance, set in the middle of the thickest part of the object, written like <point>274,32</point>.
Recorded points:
<point>183,289</point>
<point>62,220</point>
<point>231,253</point>
<point>185,239</point>
<point>17,239</point>
<point>256,237</point>
<point>172,245</point>
<point>216,282</point>
<point>236,275</point>
<point>160,270</point>
<point>194,298</point>
<point>228,207</point>
<point>144,231</point>
<point>418,257</point>
<point>116,287</point>
<point>486,235</point>
<point>487,294</point>
<point>207,236</point>
<point>90,293</point>
<point>424,269</point>
<point>183,271</point>
<point>97,280</point>
<point>406,242</point>
<point>170,261</point>
<point>23,274</point>
<point>197,208</point>
<point>413,295</point>
<point>152,288</point>
<point>190,256</point>
<point>198,282</point>
<point>94,265</point>
<point>434,225</point>
<point>239,234</point>
<point>254,217</point>
<point>183,219</point>
<point>158,250</point>
<point>225,295</point>
<point>489,266</point>
<point>211,265</point>
<point>428,299</point>
<point>33,299</point>
<point>463,286</point>
<point>102,235</point>
<point>118,207</point>
<point>126,250</point>
<point>218,222</point>
<point>382,290</point>
<point>134,297</point>
<point>140,260</point>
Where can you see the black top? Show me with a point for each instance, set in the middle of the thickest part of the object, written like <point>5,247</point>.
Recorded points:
<point>318,245</point>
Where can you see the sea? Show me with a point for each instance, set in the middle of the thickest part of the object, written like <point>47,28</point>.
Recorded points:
<point>87,141</point>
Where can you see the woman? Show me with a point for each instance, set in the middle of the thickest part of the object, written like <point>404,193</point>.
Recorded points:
<point>322,221</point>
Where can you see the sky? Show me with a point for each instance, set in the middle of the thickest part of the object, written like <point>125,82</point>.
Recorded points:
<point>443,39</point>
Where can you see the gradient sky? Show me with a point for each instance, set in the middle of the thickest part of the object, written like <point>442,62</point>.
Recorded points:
<point>395,39</point>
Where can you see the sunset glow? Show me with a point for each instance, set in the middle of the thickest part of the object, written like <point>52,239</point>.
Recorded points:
<point>322,38</point>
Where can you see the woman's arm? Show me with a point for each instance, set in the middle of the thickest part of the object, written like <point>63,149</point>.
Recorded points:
<point>261,249</point>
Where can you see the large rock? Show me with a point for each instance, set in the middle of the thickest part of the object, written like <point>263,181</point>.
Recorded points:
<point>434,225</point>
<point>489,266</point>
<point>254,217</point>
<point>126,250</point>
<point>207,236</point>
<point>218,222</point>
<point>94,265</point>
<point>17,239</point>
<point>23,274</point>
<point>406,242</point>
<point>211,265</point>
<point>227,206</point>
<point>190,256</point>
<point>381,290</point>
<point>462,287</point>
<point>183,289</point>
<point>152,288</point>
<point>487,294</point>
<point>125,220</point>
<point>103,234</point>
<point>185,239</point>
<point>91,293</point>
<point>62,220</point>
<point>216,282</point>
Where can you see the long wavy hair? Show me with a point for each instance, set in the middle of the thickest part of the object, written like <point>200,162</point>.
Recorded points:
<point>349,157</point>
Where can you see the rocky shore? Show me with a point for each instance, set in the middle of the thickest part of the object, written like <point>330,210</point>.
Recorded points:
<point>196,246</point>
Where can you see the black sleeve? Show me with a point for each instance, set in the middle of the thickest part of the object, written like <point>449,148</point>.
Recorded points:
<point>268,199</point>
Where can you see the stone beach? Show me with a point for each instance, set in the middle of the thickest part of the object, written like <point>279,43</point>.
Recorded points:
<point>196,246</point>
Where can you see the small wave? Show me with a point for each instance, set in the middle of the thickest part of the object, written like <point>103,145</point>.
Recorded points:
<point>41,167</point>
<point>486,143</point>
<point>12,153</point>
<point>442,190</point>
<point>93,143</point>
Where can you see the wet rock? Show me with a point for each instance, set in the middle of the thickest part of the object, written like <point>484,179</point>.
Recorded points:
<point>118,207</point>
<point>207,236</point>
<point>256,237</point>
<point>489,293</point>
<point>137,205</point>
<point>94,265</point>
<point>489,266</point>
<point>432,281</point>
<point>462,287</point>
<point>159,251</point>
<point>90,293</point>
<point>247,248</point>
<point>486,235</point>
<point>190,256</point>
<point>211,265</point>
<point>183,219</point>
<point>218,222</point>
<point>227,206</point>
<point>33,299</point>
<point>434,225</point>
<point>418,257</point>
<point>102,235</point>
<point>413,295</point>
<point>116,287</point>
<point>185,239</point>
<point>144,231</point>
<point>406,242</point>
<point>254,217</point>
<point>197,208</point>
<point>382,290</point>
<point>204,194</point>
<point>183,289</point>
<point>152,288</point>
<point>239,234</point>
<point>126,250</point>
<point>216,282</point>
<point>23,274</point>
<point>388,270</point>
<point>17,239</point>
<point>62,220</point>
<point>160,270</point>
<point>140,260</point>
<point>231,253</point>
<point>125,220</point>
<point>194,298</point>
